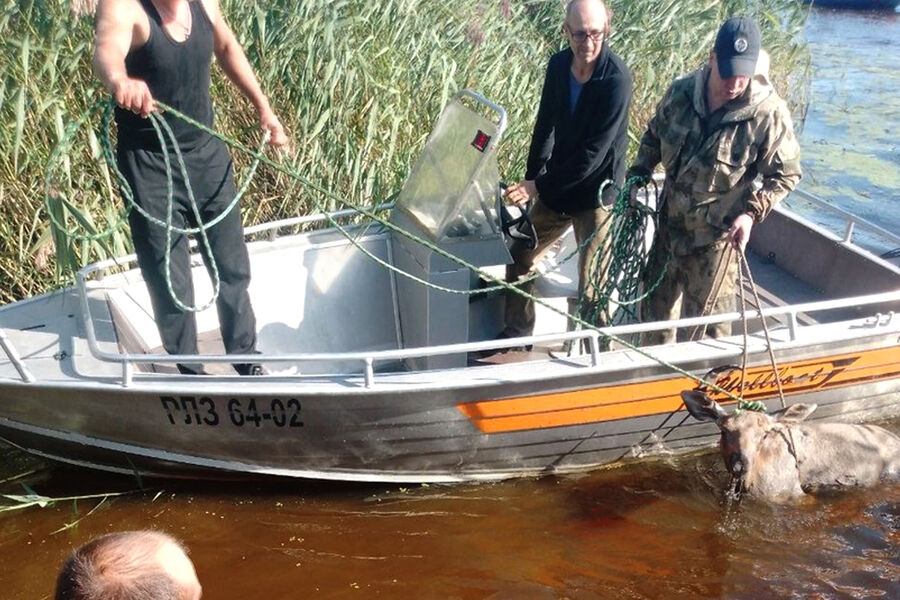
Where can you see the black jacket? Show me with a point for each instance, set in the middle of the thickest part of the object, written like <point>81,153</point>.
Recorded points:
<point>571,155</point>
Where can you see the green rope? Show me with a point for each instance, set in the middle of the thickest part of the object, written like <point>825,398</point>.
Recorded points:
<point>160,125</point>
<point>751,405</point>
<point>629,221</point>
<point>617,266</point>
<point>159,122</point>
<point>54,198</point>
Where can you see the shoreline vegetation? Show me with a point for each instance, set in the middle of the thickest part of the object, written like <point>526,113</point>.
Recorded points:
<point>357,84</point>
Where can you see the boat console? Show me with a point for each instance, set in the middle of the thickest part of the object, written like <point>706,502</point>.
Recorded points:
<point>450,206</point>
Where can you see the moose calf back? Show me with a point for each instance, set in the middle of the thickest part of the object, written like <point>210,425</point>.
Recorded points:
<point>836,455</point>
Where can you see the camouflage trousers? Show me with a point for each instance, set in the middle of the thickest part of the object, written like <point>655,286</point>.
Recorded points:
<point>550,226</point>
<point>699,283</point>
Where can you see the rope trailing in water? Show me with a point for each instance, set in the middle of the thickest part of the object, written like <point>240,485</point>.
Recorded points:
<point>629,220</point>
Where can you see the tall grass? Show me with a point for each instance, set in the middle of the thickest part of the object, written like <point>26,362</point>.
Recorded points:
<point>358,85</point>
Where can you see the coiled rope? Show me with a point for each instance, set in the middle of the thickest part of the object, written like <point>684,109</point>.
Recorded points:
<point>613,291</point>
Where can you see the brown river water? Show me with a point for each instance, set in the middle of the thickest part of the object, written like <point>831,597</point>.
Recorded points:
<point>651,530</point>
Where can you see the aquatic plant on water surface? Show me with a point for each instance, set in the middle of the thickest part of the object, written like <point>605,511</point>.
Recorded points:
<point>357,84</point>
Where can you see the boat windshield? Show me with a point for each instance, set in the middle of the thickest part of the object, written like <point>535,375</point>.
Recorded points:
<point>453,190</point>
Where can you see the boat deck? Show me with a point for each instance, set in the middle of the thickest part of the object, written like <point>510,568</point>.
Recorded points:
<point>335,326</point>
<point>774,286</point>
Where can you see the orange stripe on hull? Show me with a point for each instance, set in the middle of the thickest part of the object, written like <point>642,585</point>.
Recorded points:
<point>629,400</point>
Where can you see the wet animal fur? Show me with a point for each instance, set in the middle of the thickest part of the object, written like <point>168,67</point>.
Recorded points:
<point>777,456</point>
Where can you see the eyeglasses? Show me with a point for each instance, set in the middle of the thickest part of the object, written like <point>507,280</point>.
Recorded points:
<point>581,36</point>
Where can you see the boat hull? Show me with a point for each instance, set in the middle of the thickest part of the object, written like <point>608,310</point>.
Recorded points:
<point>484,427</point>
<point>376,333</point>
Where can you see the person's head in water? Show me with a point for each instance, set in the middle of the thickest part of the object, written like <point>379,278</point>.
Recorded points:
<point>131,565</point>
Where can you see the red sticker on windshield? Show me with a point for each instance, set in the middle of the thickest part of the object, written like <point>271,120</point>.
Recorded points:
<point>481,141</point>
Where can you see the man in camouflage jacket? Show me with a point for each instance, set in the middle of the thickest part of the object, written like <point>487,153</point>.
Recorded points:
<point>726,141</point>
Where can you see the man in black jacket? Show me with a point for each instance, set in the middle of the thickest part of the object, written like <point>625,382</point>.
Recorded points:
<point>579,141</point>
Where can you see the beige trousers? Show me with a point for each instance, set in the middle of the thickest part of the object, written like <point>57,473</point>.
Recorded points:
<point>550,226</point>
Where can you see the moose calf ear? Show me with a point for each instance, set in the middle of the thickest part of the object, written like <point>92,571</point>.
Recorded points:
<point>796,412</point>
<point>701,406</point>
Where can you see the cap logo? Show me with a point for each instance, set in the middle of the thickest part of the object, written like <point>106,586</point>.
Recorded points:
<point>740,45</point>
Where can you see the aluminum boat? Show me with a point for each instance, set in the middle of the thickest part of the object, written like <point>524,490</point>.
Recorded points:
<point>372,326</point>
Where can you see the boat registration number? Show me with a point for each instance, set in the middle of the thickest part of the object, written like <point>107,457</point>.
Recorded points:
<point>239,412</point>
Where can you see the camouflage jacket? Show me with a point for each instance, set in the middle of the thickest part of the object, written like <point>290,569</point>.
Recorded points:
<point>711,175</point>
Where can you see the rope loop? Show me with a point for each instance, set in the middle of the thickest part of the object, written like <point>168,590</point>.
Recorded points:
<point>57,204</point>
<point>617,285</point>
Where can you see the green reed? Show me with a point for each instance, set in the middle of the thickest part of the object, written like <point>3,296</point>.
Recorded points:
<point>358,84</point>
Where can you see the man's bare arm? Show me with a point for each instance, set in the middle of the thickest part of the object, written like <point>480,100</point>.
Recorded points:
<point>236,67</point>
<point>114,36</point>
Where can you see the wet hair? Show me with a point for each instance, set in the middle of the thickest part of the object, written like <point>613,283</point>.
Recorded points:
<point>119,566</point>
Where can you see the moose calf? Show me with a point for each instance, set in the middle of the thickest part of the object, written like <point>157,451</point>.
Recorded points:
<point>777,456</point>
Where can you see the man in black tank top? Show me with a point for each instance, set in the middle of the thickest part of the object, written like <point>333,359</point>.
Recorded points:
<point>150,50</point>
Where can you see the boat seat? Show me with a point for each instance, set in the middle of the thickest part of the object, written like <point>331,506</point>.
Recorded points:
<point>128,339</point>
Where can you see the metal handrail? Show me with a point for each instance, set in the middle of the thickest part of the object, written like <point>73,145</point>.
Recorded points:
<point>852,221</point>
<point>306,219</point>
<point>14,358</point>
<point>369,358</point>
<point>269,226</point>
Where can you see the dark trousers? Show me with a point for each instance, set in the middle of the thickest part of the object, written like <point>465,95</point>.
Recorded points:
<point>209,168</point>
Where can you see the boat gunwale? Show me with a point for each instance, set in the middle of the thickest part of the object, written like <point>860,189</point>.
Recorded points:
<point>685,355</point>
<point>850,224</point>
<point>368,359</point>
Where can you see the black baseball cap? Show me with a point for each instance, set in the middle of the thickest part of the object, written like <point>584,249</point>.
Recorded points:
<point>737,47</point>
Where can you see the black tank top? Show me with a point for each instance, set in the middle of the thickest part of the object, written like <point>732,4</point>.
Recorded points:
<point>177,74</point>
